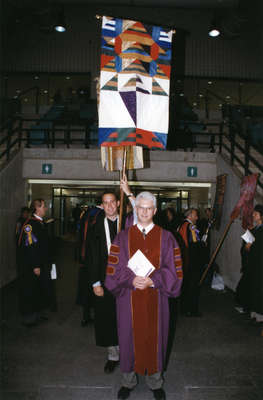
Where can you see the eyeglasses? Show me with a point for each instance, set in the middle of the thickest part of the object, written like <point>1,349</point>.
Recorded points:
<point>145,208</point>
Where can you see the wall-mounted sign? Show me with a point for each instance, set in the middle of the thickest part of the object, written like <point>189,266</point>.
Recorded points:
<point>192,172</point>
<point>47,169</point>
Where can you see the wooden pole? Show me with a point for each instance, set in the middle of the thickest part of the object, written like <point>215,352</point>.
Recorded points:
<point>122,173</point>
<point>216,251</point>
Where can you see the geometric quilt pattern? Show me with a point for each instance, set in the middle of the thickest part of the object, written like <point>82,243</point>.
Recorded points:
<point>134,84</point>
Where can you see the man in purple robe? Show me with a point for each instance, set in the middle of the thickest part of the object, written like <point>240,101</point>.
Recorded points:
<point>142,301</point>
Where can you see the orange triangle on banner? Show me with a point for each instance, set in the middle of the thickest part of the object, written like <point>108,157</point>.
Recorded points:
<point>104,60</point>
<point>166,69</point>
<point>140,25</point>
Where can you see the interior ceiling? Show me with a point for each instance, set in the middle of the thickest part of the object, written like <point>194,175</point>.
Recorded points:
<point>165,3</point>
<point>237,17</point>
<point>210,4</point>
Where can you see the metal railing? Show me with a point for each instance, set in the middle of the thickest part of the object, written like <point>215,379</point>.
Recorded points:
<point>20,131</point>
<point>233,148</point>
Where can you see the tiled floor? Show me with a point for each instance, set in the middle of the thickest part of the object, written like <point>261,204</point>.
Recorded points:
<point>216,357</point>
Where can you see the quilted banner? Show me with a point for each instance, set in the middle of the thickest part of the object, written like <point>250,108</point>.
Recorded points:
<point>134,84</point>
<point>245,203</point>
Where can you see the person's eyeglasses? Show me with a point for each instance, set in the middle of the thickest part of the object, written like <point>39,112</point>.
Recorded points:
<point>145,208</point>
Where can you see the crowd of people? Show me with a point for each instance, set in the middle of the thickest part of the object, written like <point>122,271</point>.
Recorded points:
<point>131,275</point>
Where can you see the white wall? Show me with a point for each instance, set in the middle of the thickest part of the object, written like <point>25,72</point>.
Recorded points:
<point>228,258</point>
<point>85,164</point>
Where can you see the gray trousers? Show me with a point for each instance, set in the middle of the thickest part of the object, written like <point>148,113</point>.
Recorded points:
<point>154,381</point>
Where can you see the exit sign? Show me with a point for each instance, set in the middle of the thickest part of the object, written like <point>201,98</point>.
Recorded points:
<point>47,169</point>
<point>192,172</point>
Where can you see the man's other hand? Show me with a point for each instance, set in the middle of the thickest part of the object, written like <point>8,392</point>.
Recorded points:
<point>141,283</point>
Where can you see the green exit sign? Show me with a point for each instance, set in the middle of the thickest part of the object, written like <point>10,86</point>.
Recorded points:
<point>192,172</point>
<point>47,169</point>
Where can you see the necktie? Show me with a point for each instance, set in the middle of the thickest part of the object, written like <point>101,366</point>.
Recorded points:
<point>144,232</point>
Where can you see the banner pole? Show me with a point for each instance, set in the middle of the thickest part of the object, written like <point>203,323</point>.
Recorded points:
<point>122,173</point>
<point>216,251</point>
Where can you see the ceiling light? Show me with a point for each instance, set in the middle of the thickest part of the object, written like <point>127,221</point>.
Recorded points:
<point>60,26</point>
<point>214,30</point>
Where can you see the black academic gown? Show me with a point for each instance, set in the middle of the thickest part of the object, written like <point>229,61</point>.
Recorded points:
<point>193,262</point>
<point>255,267</point>
<point>84,290</point>
<point>243,288</point>
<point>105,307</point>
<point>34,252</point>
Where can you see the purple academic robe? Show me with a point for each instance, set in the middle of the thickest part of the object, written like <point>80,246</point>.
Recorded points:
<point>167,281</point>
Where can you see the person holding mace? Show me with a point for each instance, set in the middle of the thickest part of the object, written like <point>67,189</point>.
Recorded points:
<point>104,231</point>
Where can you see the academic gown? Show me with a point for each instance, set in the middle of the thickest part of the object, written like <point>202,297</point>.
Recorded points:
<point>255,268</point>
<point>143,315</point>
<point>243,288</point>
<point>84,290</point>
<point>34,252</point>
<point>105,321</point>
<point>193,262</point>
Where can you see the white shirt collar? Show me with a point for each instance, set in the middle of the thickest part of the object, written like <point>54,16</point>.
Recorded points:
<point>147,229</point>
<point>113,219</point>
<point>191,222</point>
<point>38,217</point>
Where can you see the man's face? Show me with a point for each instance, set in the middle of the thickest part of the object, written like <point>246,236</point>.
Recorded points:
<point>257,218</point>
<point>193,216</point>
<point>145,211</point>
<point>25,214</point>
<point>41,211</point>
<point>208,213</point>
<point>110,205</point>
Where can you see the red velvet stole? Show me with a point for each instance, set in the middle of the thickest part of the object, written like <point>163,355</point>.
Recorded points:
<point>144,304</point>
<point>183,232</point>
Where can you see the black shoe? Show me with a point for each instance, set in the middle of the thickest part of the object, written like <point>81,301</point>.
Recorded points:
<point>197,314</point>
<point>86,322</point>
<point>193,314</point>
<point>30,324</point>
<point>159,394</point>
<point>254,322</point>
<point>43,317</point>
<point>110,366</point>
<point>124,393</point>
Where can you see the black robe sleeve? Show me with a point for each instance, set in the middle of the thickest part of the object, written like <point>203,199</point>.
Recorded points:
<point>99,253</point>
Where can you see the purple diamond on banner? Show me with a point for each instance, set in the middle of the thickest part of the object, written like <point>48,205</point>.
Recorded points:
<point>129,99</point>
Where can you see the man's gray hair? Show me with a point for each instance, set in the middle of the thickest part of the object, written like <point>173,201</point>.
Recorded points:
<point>146,196</point>
<point>189,211</point>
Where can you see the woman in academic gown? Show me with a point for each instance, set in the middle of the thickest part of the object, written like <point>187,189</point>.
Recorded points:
<point>255,265</point>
